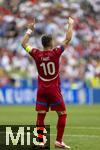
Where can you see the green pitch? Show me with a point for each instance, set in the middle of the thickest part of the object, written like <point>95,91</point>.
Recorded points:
<point>82,131</point>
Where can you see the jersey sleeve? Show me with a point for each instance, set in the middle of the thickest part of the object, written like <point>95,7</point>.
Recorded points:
<point>58,50</point>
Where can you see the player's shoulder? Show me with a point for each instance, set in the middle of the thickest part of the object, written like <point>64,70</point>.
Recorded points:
<point>58,50</point>
<point>35,52</point>
<point>59,47</point>
<point>35,49</point>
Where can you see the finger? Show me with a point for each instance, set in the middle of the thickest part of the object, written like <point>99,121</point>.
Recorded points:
<point>70,17</point>
<point>34,20</point>
<point>32,24</point>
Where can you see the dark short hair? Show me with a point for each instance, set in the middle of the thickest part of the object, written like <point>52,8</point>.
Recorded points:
<point>46,40</point>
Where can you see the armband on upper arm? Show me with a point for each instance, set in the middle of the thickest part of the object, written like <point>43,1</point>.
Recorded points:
<point>28,48</point>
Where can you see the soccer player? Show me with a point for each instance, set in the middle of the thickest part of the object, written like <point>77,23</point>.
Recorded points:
<point>49,93</point>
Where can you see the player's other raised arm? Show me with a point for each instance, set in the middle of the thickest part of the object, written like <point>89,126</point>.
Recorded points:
<point>69,32</point>
<point>26,37</point>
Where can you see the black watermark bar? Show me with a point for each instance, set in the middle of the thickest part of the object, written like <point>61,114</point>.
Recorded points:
<point>24,137</point>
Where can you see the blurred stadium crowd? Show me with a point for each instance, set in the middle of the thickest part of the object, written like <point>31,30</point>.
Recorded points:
<point>80,62</point>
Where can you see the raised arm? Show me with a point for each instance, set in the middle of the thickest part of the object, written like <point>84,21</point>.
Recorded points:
<point>26,37</point>
<point>69,32</point>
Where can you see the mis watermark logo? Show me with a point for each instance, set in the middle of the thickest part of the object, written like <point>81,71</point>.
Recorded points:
<point>28,137</point>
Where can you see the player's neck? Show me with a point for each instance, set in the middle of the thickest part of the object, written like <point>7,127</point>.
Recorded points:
<point>47,48</point>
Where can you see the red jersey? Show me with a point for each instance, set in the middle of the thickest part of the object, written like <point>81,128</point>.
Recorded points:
<point>47,63</point>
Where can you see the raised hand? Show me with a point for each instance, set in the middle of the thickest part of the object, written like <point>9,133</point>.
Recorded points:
<point>71,20</point>
<point>31,25</point>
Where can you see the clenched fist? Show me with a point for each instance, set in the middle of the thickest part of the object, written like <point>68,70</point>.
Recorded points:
<point>31,25</point>
<point>71,21</point>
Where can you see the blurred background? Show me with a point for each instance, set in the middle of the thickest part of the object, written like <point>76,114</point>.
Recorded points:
<point>80,63</point>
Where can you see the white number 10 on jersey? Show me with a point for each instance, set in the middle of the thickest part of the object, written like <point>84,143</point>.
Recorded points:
<point>49,68</point>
